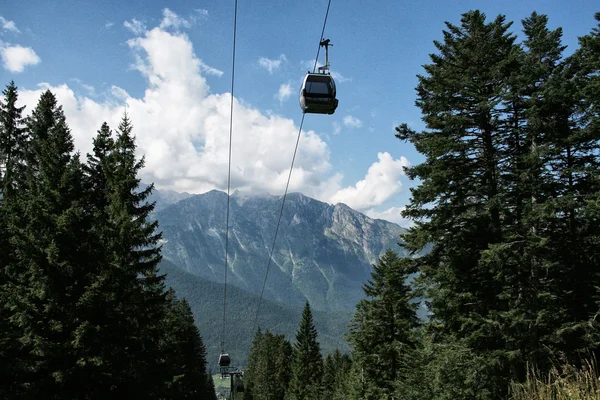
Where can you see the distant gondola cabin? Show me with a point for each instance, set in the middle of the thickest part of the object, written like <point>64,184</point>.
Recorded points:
<point>224,360</point>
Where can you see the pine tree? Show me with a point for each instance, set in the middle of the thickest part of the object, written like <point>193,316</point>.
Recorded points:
<point>46,276</point>
<point>336,370</point>
<point>307,362</point>
<point>578,212</point>
<point>381,332</point>
<point>12,144</point>
<point>528,276</point>
<point>185,352</point>
<point>134,293</point>
<point>12,141</point>
<point>267,374</point>
<point>458,204</point>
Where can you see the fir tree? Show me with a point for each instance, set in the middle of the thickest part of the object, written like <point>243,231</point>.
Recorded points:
<point>137,296</point>
<point>268,371</point>
<point>458,204</point>
<point>12,145</point>
<point>381,332</point>
<point>185,352</point>
<point>307,363</point>
<point>12,141</point>
<point>46,277</point>
<point>336,369</point>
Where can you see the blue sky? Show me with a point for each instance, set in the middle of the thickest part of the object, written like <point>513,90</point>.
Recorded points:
<point>170,63</point>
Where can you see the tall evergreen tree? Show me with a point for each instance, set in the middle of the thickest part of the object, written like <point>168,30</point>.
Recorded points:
<point>307,362</point>
<point>267,374</point>
<point>12,145</point>
<point>578,169</point>
<point>12,141</point>
<point>458,204</point>
<point>528,277</point>
<point>48,236</point>
<point>381,332</point>
<point>336,370</point>
<point>185,352</point>
<point>137,297</point>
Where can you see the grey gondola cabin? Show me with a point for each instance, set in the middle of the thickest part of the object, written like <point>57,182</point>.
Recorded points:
<point>317,95</point>
<point>224,360</point>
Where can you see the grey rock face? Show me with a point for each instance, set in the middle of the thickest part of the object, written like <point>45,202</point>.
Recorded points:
<point>323,253</point>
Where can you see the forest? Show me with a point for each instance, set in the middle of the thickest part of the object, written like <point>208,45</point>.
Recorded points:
<point>508,198</point>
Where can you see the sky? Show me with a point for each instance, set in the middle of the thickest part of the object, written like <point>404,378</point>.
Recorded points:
<point>169,64</point>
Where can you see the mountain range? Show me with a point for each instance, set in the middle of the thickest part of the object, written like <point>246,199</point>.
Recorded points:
<point>323,253</point>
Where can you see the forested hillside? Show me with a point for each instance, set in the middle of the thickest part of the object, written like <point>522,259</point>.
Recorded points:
<point>206,302</point>
<point>84,312</point>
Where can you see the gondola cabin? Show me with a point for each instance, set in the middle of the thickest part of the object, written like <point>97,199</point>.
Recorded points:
<point>224,360</point>
<point>317,95</point>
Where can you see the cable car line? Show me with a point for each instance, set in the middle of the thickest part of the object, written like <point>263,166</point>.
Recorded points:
<point>228,189</point>
<point>289,177</point>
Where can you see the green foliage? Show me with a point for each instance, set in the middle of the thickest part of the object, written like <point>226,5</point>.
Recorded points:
<point>84,312</point>
<point>205,299</point>
<point>268,371</point>
<point>382,331</point>
<point>336,369</point>
<point>506,196</point>
<point>307,362</point>
<point>185,353</point>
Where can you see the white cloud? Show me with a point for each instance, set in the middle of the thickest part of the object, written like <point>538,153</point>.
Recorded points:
<point>337,128</point>
<point>381,183</point>
<point>108,24</point>
<point>285,91</point>
<point>210,70</point>
<point>183,129</point>
<point>392,214</point>
<point>339,78</point>
<point>16,58</point>
<point>89,88</point>
<point>135,26</point>
<point>8,25</point>
<point>272,65</point>
<point>352,122</point>
<point>202,12</point>
<point>172,20</point>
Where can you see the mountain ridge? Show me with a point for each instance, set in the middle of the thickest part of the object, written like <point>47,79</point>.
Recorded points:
<point>323,252</point>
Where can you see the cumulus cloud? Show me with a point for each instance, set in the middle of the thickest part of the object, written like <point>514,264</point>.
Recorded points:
<point>272,65</point>
<point>16,58</point>
<point>8,25</point>
<point>392,214</point>
<point>381,182</point>
<point>285,91</point>
<point>182,129</point>
<point>135,26</point>
<point>352,122</point>
<point>172,20</point>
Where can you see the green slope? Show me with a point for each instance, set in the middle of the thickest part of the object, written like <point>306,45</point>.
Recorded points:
<point>206,300</point>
